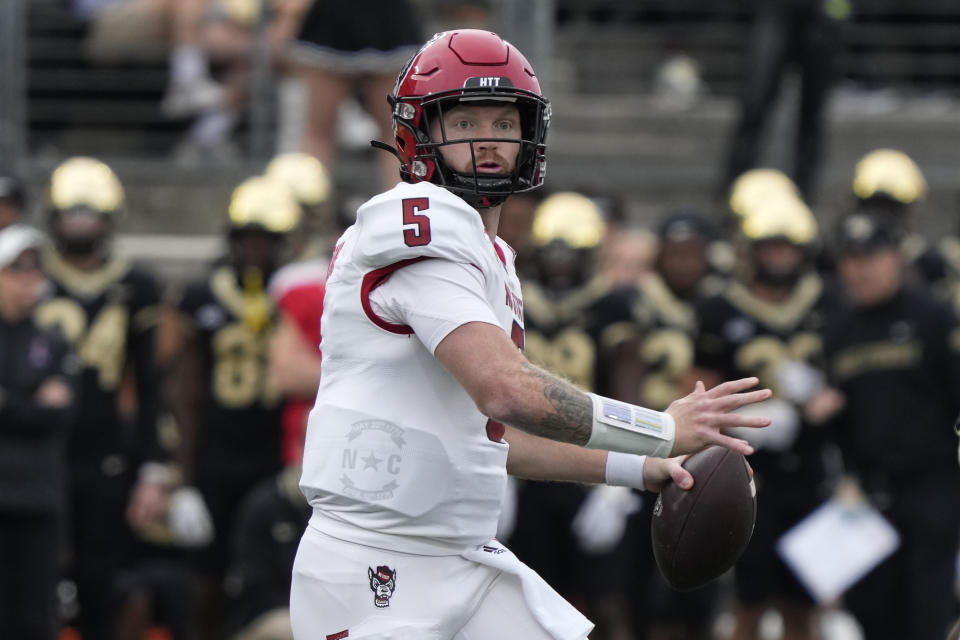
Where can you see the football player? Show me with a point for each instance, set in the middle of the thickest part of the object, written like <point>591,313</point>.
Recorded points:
<point>229,414</point>
<point>407,449</point>
<point>574,324</point>
<point>766,323</point>
<point>888,184</point>
<point>665,328</point>
<point>297,291</point>
<point>894,354</point>
<point>264,542</point>
<point>108,309</point>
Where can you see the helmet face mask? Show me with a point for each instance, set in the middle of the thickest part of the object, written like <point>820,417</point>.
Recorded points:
<point>468,68</point>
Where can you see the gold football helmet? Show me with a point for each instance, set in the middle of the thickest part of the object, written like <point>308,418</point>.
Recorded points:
<point>264,203</point>
<point>570,218</point>
<point>304,175</point>
<point>85,182</point>
<point>781,219</point>
<point>889,173</point>
<point>754,188</point>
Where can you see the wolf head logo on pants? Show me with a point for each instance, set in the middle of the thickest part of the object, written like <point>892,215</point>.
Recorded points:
<point>382,582</point>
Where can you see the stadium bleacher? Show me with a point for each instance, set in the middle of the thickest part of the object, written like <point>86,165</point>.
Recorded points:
<point>900,68</point>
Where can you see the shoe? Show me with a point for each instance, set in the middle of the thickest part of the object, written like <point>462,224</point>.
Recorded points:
<point>190,99</point>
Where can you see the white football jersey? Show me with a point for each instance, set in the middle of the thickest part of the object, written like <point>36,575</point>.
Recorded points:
<point>397,454</point>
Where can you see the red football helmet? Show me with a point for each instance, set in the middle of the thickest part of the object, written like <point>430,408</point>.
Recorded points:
<point>475,66</point>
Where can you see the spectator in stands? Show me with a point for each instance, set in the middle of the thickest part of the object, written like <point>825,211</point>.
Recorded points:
<point>364,43</point>
<point>37,377</point>
<point>123,30</point>
<point>803,33</point>
<point>227,37</point>
<point>12,199</point>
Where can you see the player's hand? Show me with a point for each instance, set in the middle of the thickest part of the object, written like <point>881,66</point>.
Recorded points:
<point>148,504</point>
<point>658,471</point>
<point>54,394</point>
<point>701,415</point>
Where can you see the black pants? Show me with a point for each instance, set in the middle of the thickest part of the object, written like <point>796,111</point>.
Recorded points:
<point>29,553</point>
<point>782,35</point>
<point>910,595</point>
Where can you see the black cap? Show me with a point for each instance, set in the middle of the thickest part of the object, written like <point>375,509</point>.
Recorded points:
<point>866,233</point>
<point>684,225</point>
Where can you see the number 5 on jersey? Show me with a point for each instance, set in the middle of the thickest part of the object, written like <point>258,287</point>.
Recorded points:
<point>420,235</point>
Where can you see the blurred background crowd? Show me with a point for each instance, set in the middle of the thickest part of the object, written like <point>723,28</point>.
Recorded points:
<point>735,188</point>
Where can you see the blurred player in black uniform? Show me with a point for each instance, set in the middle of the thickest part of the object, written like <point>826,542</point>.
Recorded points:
<point>108,309</point>
<point>666,325</point>
<point>12,199</point>
<point>573,325</point>
<point>888,184</point>
<point>895,356</point>
<point>37,380</point>
<point>264,543</point>
<point>311,185</point>
<point>766,323</point>
<point>228,412</point>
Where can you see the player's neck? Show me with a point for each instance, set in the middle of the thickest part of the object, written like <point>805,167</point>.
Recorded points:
<point>491,220</point>
<point>771,292</point>
<point>84,262</point>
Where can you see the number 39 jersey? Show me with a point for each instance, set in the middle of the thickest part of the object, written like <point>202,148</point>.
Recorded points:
<point>397,454</point>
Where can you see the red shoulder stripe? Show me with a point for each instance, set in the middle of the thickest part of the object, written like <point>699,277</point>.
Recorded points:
<point>373,280</point>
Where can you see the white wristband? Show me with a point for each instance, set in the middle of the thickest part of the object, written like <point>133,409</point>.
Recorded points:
<point>618,426</point>
<point>625,470</point>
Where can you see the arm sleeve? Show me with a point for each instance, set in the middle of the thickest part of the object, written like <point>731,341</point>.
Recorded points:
<point>433,297</point>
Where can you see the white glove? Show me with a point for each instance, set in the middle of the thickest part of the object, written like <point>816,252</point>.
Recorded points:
<point>602,518</point>
<point>188,518</point>
<point>782,432</point>
<point>798,381</point>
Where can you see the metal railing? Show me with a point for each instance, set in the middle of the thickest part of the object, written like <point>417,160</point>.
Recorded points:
<point>13,128</point>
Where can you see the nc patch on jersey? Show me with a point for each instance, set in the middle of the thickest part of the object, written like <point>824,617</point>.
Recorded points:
<point>382,582</point>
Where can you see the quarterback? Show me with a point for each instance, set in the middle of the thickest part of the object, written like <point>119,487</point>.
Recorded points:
<point>426,401</point>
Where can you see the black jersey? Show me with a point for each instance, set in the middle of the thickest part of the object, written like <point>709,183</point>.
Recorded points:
<point>109,315</point>
<point>572,334</point>
<point>666,326</point>
<point>898,364</point>
<point>240,423</point>
<point>740,335</point>
<point>264,543</point>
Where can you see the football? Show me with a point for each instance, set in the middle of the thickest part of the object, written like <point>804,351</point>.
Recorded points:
<point>698,534</point>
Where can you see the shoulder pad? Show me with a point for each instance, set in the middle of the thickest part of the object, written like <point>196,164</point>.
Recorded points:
<point>419,220</point>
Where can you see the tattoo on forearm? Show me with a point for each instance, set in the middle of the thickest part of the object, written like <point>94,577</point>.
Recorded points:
<point>572,417</point>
